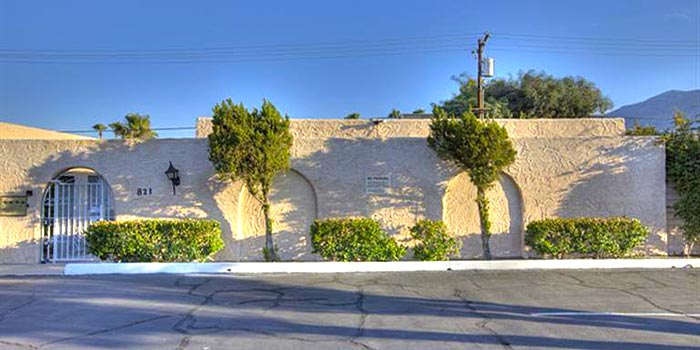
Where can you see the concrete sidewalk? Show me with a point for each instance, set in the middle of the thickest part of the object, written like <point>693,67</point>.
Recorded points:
<point>31,269</point>
<point>341,267</point>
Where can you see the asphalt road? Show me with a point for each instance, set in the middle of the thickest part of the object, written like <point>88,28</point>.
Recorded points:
<point>439,310</point>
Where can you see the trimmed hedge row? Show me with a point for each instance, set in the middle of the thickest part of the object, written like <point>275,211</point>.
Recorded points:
<point>353,239</point>
<point>596,237</point>
<point>155,240</point>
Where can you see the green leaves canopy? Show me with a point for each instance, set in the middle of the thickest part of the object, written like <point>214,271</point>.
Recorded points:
<point>481,148</point>
<point>136,127</point>
<point>252,146</point>
<point>683,170</point>
<point>531,95</point>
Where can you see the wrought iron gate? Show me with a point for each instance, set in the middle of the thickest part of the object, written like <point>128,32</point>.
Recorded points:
<point>70,205</point>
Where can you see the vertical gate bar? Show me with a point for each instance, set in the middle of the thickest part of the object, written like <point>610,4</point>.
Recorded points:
<point>101,201</point>
<point>43,227</point>
<point>66,216</point>
<point>57,222</point>
<point>75,244</point>
<point>58,247</point>
<point>84,224</point>
<point>86,219</point>
<point>71,218</point>
<point>64,219</point>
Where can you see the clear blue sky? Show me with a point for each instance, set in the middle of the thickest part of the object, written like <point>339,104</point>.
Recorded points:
<point>385,54</point>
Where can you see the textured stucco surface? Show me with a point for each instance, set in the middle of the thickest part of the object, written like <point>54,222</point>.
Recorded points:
<point>564,168</point>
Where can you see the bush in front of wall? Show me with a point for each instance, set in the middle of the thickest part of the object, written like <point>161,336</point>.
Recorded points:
<point>433,242</point>
<point>353,239</point>
<point>594,237</point>
<point>156,240</point>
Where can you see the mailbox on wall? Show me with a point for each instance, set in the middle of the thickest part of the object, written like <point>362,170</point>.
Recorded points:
<point>13,205</point>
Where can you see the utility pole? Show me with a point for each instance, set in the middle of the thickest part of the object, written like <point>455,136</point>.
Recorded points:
<point>480,80</point>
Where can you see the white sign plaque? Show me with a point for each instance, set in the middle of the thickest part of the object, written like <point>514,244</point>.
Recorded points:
<point>378,184</point>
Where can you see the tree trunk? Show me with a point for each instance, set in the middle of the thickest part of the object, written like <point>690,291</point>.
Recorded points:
<point>485,224</point>
<point>270,252</point>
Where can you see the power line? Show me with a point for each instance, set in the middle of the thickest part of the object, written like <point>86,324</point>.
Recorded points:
<point>354,48</point>
<point>593,39</point>
<point>109,130</point>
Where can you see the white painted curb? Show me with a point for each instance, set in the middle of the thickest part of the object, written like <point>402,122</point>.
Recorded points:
<point>397,266</point>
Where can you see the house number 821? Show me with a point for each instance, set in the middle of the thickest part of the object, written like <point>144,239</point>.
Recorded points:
<point>144,191</point>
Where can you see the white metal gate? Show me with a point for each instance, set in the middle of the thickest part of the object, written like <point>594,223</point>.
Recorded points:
<point>70,205</point>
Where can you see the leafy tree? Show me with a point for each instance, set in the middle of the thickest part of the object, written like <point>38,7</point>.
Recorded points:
<point>481,148</point>
<point>532,95</point>
<point>419,111</point>
<point>100,128</point>
<point>639,130</point>
<point>466,100</point>
<point>683,170</point>
<point>136,127</point>
<point>394,114</point>
<point>353,115</point>
<point>252,146</point>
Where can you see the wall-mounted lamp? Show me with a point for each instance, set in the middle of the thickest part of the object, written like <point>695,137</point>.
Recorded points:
<point>173,175</point>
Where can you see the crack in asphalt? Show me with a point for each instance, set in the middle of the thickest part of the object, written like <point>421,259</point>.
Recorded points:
<point>630,291</point>
<point>19,345</point>
<point>486,319</point>
<point>30,300</point>
<point>184,343</point>
<point>107,330</point>
<point>187,323</point>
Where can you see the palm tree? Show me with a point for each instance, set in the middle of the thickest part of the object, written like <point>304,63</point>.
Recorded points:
<point>100,128</point>
<point>136,127</point>
<point>395,114</point>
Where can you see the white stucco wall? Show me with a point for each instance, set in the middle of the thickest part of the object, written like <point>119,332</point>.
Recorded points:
<point>583,167</point>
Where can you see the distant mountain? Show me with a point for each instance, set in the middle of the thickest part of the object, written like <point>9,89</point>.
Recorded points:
<point>658,110</point>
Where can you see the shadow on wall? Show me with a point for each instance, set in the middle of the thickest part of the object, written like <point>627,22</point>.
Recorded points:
<point>607,180</point>
<point>461,215</point>
<point>293,210</point>
<point>339,168</point>
<point>126,168</point>
<point>24,252</point>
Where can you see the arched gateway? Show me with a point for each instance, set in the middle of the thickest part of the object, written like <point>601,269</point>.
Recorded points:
<point>72,201</point>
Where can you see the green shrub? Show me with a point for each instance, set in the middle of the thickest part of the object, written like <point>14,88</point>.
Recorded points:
<point>596,237</point>
<point>154,240</point>
<point>433,241</point>
<point>353,239</point>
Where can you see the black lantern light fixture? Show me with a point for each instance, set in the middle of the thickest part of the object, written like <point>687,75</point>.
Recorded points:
<point>173,175</point>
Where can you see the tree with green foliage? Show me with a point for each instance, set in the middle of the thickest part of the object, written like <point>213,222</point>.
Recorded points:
<point>353,115</point>
<point>252,146</point>
<point>136,127</point>
<point>639,130</point>
<point>531,95</point>
<point>466,100</point>
<point>479,147</point>
<point>394,114</point>
<point>683,171</point>
<point>100,128</point>
<point>418,111</point>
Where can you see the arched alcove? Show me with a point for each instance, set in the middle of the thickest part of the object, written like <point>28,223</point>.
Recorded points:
<point>293,210</point>
<point>72,200</point>
<point>460,214</point>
